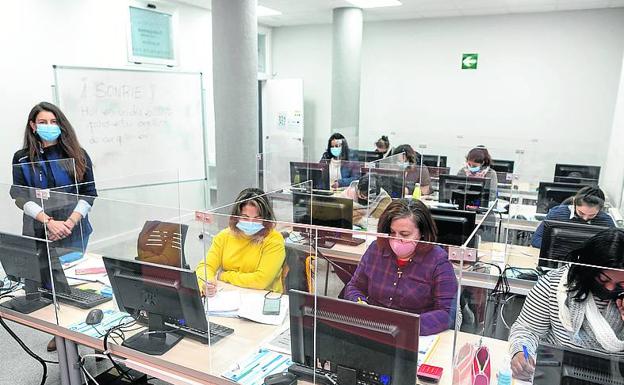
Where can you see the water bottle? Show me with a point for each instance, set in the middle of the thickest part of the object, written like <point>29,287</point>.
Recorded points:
<point>416,193</point>
<point>504,374</point>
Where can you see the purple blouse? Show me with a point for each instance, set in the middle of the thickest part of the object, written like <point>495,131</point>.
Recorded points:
<point>426,286</point>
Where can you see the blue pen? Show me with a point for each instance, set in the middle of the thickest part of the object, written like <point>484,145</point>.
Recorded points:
<point>526,353</point>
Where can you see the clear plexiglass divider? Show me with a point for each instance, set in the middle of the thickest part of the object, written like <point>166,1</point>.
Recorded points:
<point>24,254</point>
<point>257,249</point>
<point>287,166</point>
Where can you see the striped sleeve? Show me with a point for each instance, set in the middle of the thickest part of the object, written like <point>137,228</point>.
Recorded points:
<point>533,323</point>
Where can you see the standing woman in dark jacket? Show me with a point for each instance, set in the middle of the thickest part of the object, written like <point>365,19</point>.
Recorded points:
<point>53,159</point>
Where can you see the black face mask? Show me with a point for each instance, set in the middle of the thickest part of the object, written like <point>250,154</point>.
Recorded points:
<point>601,292</point>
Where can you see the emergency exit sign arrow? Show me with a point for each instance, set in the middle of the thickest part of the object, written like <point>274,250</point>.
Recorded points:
<point>469,61</point>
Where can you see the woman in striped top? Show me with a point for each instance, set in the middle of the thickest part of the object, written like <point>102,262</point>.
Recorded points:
<point>575,305</point>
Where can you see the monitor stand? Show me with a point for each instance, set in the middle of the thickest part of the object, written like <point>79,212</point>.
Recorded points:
<point>156,340</point>
<point>30,302</point>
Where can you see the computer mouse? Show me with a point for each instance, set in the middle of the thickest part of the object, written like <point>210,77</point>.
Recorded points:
<point>94,317</point>
<point>280,379</point>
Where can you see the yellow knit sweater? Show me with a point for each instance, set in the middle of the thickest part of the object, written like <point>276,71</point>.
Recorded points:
<point>243,262</point>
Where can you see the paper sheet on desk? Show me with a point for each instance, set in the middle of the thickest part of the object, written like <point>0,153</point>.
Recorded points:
<point>251,308</point>
<point>74,279</point>
<point>224,304</point>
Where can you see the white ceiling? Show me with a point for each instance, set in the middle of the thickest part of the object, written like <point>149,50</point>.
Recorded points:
<point>299,12</point>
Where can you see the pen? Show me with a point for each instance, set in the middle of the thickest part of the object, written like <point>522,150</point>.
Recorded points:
<point>526,353</point>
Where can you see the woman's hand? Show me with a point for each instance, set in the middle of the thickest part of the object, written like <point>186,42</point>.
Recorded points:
<point>335,185</point>
<point>620,305</point>
<point>521,368</point>
<point>210,288</point>
<point>57,229</point>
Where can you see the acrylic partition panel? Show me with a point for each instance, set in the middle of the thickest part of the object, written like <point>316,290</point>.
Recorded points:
<point>26,256</point>
<point>258,248</point>
<point>291,166</point>
<point>377,316</point>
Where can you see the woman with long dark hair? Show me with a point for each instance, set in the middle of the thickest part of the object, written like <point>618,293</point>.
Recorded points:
<point>337,155</point>
<point>577,305</point>
<point>52,158</point>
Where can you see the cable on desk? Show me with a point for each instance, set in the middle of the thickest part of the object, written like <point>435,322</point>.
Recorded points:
<point>107,352</point>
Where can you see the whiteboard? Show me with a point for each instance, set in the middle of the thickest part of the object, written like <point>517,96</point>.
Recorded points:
<point>136,125</point>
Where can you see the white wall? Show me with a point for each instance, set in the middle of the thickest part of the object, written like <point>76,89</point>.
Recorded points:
<point>613,180</point>
<point>546,83</point>
<point>35,34</point>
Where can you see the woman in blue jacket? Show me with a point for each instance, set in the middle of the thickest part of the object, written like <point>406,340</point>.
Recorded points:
<point>341,171</point>
<point>51,158</point>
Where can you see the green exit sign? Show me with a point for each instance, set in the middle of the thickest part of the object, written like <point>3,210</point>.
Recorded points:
<point>469,61</point>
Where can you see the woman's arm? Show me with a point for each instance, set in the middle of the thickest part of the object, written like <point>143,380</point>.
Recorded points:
<point>271,262</point>
<point>533,322</point>
<point>207,268</point>
<point>357,288</point>
<point>444,298</point>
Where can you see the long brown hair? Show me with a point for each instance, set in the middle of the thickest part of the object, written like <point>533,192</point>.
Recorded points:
<point>258,199</point>
<point>68,139</point>
<point>407,208</point>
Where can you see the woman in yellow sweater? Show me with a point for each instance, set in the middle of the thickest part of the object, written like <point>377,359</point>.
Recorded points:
<point>250,252</point>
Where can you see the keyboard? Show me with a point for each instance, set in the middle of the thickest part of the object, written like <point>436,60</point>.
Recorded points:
<point>217,332</point>
<point>344,241</point>
<point>79,298</point>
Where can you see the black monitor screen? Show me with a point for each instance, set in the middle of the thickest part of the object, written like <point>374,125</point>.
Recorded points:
<point>356,339</point>
<point>322,210</point>
<point>392,181</point>
<point>166,295</point>
<point>499,165</point>
<point>434,160</point>
<point>464,191</point>
<point>576,173</point>
<point>454,226</point>
<point>560,238</point>
<point>367,156</point>
<point>318,173</point>
<point>551,194</point>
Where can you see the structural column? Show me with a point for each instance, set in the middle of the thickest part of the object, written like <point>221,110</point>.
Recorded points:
<point>346,63</point>
<point>235,82</point>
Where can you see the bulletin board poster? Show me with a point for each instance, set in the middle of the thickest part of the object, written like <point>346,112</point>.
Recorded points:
<point>151,36</point>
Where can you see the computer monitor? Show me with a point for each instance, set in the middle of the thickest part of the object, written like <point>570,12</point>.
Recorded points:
<point>169,297</point>
<point>367,156</point>
<point>454,226</point>
<point>27,258</point>
<point>326,211</point>
<point>500,165</point>
<point>556,365</point>
<point>434,160</point>
<point>560,238</point>
<point>318,173</point>
<point>352,342</point>
<point>576,173</point>
<point>464,191</point>
<point>551,194</point>
<point>392,181</point>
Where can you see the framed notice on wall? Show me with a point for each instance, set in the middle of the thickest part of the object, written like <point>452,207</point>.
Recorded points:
<point>152,34</point>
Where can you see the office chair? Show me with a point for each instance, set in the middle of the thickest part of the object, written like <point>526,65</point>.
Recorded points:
<point>162,243</point>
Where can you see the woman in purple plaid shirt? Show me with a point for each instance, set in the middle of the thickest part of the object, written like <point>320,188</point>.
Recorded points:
<point>407,272</point>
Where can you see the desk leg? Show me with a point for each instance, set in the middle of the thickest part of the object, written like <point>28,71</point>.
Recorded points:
<point>62,359</point>
<point>73,369</point>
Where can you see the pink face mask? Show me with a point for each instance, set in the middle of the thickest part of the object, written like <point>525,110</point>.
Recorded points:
<point>402,249</point>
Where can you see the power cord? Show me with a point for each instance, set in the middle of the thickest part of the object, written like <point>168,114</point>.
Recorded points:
<point>27,350</point>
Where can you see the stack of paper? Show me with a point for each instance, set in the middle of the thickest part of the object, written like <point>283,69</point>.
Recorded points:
<point>84,265</point>
<point>223,304</point>
<point>251,308</point>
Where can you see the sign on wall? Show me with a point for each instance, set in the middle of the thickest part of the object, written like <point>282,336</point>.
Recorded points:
<point>469,61</point>
<point>151,35</point>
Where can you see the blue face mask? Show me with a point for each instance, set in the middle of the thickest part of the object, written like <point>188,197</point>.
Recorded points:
<point>249,228</point>
<point>336,151</point>
<point>474,169</point>
<point>403,165</point>
<point>48,132</point>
